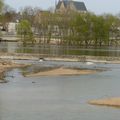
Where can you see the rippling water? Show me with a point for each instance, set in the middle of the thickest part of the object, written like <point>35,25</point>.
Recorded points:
<point>58,50</point>
<point>60,97</point>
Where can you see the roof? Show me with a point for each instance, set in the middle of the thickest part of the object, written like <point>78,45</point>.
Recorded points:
<point>78,5</point>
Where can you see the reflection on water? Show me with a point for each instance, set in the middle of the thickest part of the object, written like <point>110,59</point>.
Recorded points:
<point>59,98</point>
<point>57,50</point>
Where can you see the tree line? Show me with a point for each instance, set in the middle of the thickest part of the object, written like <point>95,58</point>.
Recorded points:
<point>82,29</point>
<point>72,28</point>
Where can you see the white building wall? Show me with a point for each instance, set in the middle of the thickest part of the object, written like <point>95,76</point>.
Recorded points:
<point>12,28</point>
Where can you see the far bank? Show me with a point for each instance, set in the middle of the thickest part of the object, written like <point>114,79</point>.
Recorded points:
<point>69,58</point>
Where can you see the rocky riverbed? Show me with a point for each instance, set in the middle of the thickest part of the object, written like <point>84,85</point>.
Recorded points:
<point>6,65</point>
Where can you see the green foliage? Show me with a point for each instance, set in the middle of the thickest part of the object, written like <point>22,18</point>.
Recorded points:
<point>79,28</point>
<point>70,28</point>
<point>93,30</point>
<point>25,31</point>
<point>1,4</point>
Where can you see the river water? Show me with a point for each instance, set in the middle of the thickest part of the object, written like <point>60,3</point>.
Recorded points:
<point>14,47</point>
<point>59,97</point>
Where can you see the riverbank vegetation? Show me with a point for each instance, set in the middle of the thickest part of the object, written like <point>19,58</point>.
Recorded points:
<point>25,31</point>
<point>81,29</point>
<point>70,28</point>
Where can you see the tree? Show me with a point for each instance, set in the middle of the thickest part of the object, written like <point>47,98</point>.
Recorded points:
<point>95,30</point>
<point>83,29</point>
<point>1,5</point>
<point>8,15</point>
<point>25,31</point>
<point>29,14</point>
<point>113,22</point>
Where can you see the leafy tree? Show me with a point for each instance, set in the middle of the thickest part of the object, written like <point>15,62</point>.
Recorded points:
<point>83,28</point>
<point>1,5</point>
<point>25,31</point>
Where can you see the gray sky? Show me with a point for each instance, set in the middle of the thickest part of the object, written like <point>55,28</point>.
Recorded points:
<point>96,6</point>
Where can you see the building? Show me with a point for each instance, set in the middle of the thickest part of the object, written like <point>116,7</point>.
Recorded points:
<point>70,5</point>
<point>12,28</point>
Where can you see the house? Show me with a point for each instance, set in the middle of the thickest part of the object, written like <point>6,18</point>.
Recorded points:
<point>12,28</point>
<point>70,5</point>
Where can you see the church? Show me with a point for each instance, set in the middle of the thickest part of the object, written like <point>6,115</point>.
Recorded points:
<point>69,5</point>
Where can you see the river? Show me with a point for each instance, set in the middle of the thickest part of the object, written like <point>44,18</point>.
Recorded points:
<point>14,47</point>
<point>59,97</point>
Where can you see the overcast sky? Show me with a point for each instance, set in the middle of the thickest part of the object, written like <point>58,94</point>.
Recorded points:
<point>96,6</point>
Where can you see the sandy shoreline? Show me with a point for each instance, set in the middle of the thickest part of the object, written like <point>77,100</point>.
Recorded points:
<point>113,102</point>
<point>61,71</point>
